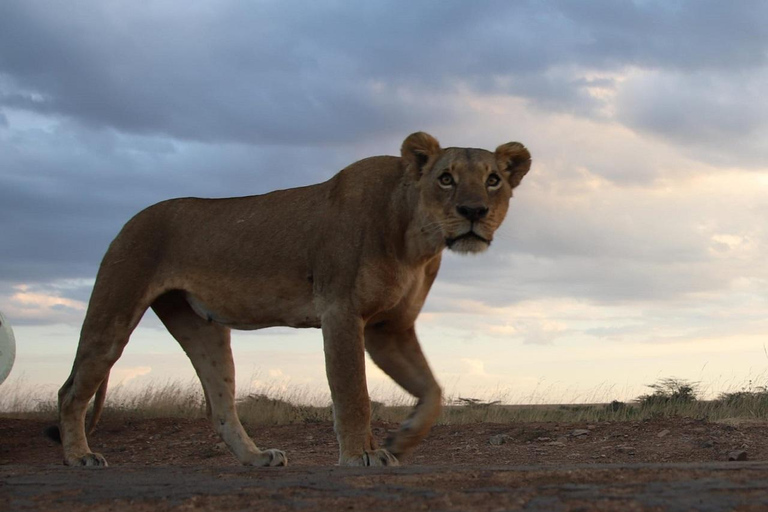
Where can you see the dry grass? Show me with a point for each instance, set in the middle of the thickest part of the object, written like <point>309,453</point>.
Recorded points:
<point>270,406</point>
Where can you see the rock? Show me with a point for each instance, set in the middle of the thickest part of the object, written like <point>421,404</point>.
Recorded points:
<point>662,433</point>
<point>737,455</point>
<point>708,444</point>
<point>625,449</point>
<point>543,439</point>
<point>580,432</point>
<point>498,439</point>
<point>555,443</point>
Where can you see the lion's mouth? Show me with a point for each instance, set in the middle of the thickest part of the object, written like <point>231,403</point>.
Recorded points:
<point>469,235</point>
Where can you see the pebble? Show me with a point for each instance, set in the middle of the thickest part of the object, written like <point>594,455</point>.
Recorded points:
<point>662,433</point>
<point>498,439</point>
<point>737,455</point>
<point>580,432</point>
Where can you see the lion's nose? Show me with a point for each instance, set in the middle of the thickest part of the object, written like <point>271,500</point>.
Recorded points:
<point>473,213</point>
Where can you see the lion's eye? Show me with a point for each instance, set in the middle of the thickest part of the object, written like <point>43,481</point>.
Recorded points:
<point>493,180</point>
<point>446,180</point>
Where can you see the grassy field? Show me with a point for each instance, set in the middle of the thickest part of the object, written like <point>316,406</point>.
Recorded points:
<point>669,398</point>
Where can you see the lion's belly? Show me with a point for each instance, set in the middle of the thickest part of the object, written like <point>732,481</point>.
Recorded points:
<point>256,313</point>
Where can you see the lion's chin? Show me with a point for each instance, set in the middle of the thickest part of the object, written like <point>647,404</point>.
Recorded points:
<point>468,243</point>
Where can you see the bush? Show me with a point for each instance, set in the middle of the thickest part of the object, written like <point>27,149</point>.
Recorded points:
<point>616,406</point>
<point>752,397</point>
<point>670,391</point>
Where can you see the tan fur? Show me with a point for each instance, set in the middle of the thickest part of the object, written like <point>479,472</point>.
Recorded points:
<point>355,255</point>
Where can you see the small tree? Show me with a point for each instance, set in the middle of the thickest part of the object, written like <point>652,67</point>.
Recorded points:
<point>670,390</point>
<point>474,402</point>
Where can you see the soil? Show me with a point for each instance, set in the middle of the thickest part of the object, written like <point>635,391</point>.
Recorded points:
<point>180,464</point>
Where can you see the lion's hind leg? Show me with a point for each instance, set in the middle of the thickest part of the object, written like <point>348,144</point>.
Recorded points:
<point>101,344</point>
<point>208,346</point>
<point>74,397</point>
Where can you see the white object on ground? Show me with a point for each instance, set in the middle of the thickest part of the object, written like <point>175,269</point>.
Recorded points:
<point>7,348</point>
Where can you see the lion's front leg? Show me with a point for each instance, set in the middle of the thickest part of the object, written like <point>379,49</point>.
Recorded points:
<point>399,354</point>
<point>345,367</point>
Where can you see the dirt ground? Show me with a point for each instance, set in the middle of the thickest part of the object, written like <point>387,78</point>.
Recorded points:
<point>180,464</point>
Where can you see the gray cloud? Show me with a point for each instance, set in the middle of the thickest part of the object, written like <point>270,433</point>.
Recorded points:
<point>107,108</point>
<point>722,119</point>
<point>247,74</point>
<point>65,193</point>
<point>300,73</point>
<point>677,35</point>
<point>602,280</point>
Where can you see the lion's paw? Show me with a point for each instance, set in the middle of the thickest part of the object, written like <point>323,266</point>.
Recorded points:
<point>378,457</point>
<point>269,458</point>
<point>89,460</point>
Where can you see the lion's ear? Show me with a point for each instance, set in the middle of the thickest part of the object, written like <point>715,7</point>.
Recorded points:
<point>417,150</point>
<point>514,161</point>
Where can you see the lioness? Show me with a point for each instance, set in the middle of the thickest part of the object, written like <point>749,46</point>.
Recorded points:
<point>354,256</point>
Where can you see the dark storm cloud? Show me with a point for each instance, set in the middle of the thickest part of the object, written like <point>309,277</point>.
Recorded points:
<point>108,107</point>
<point>310,73</point>
<point>680,35</point>
<point>239,73</point>
<point>65,193</point>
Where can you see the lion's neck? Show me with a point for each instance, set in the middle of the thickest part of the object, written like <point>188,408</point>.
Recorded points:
<point>421,239</point>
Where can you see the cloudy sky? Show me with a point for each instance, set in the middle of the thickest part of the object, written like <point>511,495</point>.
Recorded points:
<point>635,249</point>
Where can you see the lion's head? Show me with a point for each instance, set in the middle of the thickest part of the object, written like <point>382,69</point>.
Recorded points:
<point>465,192</point>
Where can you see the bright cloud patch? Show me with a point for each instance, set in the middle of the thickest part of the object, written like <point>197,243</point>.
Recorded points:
<point>125,375</point>
<point>42,304</point>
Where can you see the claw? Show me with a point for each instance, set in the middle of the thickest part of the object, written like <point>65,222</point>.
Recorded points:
<point>373,458</point>
<point>89,460</point>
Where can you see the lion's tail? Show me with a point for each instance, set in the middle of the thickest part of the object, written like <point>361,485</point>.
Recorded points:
<point>54,432</point>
